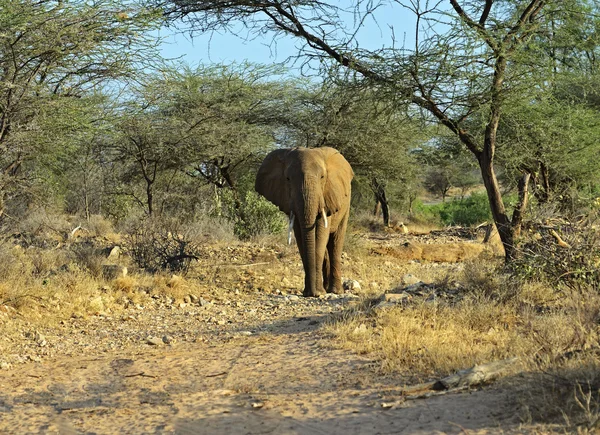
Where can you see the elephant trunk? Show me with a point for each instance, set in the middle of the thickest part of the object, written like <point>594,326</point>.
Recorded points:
<point>312,203</point>
<point>307,214</point>
<point>310,268</point>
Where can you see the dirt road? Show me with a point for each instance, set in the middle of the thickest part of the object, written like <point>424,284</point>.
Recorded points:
<point>283,381</point>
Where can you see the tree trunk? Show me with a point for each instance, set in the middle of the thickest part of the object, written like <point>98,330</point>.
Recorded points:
<point>503,223</point>
<point>381,200</point>
<point>545,178</point>
<point>377,208</point>
<point>149,198</point>
<point>517,219</point>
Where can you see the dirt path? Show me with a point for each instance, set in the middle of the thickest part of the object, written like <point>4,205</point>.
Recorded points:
<point>284,381</point>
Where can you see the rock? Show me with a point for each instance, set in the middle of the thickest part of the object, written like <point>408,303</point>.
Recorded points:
<point>154,341</point>
<point>5,366</point>
<point>415,288</point>
<point>351,285</point>
<point>396,298</point>
<point>114,252</point>
<point>246,333</point>
<point>330,296</point>
<point>389,300</point>
<point>203,302</point>
<point>167,339</point>
<point>409,279</point>
<point>113,271</point>
<point>187,300</point>
<point>293,298</point>
<point>194,299</point>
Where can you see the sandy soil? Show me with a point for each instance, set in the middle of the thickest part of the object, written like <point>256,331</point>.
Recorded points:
<point>254,361</point>
<point>281,382</point>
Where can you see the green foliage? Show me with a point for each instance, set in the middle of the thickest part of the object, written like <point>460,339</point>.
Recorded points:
<point>253,215</point>
<point>471,210</point>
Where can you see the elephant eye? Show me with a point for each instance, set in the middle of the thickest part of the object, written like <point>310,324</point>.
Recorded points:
<point>322,176</point>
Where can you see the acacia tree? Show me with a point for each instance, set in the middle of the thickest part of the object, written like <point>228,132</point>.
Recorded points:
<point>469,60</point>
<point>373,135</point>
<point>208,124</point>
<point>55,51</point>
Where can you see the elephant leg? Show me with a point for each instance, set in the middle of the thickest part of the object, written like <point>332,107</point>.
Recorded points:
<point>335,247</point>
<point>326,269</point>
<point>308,285</point>
<point>321,258</point>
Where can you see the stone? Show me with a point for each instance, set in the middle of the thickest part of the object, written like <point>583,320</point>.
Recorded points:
<point>5,366</point>
<point>409,279</point>
<point>293,298</point>
<point>396,298</point>
<point>194,299</point>
<point>113,271</point>
<point>167,339</point>
<point>114,253</point>
<point>154,341</point>
<point>351,285</point>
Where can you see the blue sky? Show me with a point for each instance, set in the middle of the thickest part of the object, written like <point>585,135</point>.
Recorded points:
<point>228,48</point>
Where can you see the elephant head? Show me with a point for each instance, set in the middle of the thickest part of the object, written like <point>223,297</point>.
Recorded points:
<point>312,186</point>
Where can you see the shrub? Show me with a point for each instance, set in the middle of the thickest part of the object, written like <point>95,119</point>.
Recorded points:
<point>161,244</point>
<point>88,258</point>
<point>253,215</point>
<point>468,211</point>
<point>567,253</point>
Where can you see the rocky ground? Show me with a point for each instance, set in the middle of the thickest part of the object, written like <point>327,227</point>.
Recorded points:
<point>245,354</point>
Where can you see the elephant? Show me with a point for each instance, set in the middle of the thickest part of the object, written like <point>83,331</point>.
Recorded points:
<point>312,187</point>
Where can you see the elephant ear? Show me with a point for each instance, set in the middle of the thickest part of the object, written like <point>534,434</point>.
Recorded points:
<point>271,182</point>
<point>339,177</point>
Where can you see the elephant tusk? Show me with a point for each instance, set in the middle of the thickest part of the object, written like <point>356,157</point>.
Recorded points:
<point>324,217</point>
<point>290,228</point>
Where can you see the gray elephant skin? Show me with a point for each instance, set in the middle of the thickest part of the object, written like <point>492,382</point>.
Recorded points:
<point>312,186</point>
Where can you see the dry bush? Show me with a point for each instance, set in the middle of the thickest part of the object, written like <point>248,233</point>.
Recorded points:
<point>161,244</point>
<point>125,284</point>
<point>98,226</point>
<point>43,228</point>
<point>565,252</point>
<point>489,280</point>
<point>88,257</point>
<point>206,228</point>
<point>11,263</point>
<point>174,286</point>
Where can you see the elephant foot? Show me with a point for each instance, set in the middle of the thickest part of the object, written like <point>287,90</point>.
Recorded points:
<point>312,294</point>
<point>337,289</point>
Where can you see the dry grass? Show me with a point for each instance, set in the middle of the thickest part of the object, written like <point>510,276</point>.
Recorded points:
<point>432,340</point>
<point>555,334</point>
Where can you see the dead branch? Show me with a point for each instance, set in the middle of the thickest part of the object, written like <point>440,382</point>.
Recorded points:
<point>461,380</point>
<point>559,240</point>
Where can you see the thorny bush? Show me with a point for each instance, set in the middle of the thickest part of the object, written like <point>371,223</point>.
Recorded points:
<point>566,252</point>
<point>161,244</point>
